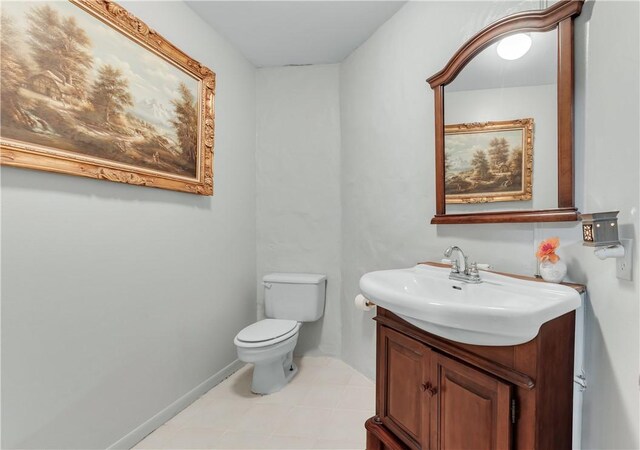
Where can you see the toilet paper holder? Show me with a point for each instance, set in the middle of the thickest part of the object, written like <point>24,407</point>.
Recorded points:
<point>363,303</point>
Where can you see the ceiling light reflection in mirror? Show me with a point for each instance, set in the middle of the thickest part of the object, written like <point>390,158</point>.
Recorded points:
<point>514,47</point>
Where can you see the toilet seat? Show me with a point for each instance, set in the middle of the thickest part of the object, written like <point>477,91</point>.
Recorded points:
<point>266,332</point>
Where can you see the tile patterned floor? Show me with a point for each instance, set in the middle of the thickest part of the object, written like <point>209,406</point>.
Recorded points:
<point>323,407</point>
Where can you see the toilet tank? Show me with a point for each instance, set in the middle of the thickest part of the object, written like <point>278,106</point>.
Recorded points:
<point>294,296</point>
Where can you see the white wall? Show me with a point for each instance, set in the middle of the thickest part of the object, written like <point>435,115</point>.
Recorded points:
<point>117,300</point>
<point>298,186</point>
<point>607,169</point>
<point>388,188</point>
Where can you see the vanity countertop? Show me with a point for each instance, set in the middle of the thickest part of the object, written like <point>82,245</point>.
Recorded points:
<point>581,288</point>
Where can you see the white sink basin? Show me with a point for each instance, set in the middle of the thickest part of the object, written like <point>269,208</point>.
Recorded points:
<point>501,310</point>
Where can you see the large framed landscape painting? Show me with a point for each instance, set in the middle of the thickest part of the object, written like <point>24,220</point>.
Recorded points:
<point>88,89</point>
<point>488,162</point>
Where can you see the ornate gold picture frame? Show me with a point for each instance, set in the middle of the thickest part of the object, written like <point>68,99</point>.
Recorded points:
<point>489,162</point>
<point>89,89</point>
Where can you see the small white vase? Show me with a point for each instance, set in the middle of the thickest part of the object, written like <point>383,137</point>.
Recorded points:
<point>553,272</point>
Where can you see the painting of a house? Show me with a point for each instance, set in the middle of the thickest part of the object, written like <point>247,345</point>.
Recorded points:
<point>49,84</point>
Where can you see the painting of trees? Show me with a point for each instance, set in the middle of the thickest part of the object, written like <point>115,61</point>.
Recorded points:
<point>110,93</point>
<point>515,162</point>
<point>481,165</point>
<point>59,45</point>
<point>498,153</point>
<point>186,122</point>
<point>12,70</point>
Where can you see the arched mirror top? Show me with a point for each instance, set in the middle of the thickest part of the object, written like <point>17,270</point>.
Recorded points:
<point>480,182</point>
<point>523,22</point>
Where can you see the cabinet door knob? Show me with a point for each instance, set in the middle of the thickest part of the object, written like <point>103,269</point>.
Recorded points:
<point>428,388</point>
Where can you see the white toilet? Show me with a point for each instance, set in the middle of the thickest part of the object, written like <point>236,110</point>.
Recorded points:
<point>289,299</point>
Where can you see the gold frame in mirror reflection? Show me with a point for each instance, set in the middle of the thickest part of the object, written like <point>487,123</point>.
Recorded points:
<point>495,161</point>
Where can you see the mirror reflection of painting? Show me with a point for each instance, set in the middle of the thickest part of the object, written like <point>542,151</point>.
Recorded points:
<point>71,83</point>
<point>488,162</point>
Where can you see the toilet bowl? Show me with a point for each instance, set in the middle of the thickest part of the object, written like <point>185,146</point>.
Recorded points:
<point>269,344</point>
<point>290,299</point>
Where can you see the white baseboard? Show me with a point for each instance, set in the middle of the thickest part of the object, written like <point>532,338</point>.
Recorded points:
<point>137,434</point>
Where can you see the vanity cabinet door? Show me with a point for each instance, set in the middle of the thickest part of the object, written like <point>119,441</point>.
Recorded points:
<point>403,374</point>
<point>470,410</point>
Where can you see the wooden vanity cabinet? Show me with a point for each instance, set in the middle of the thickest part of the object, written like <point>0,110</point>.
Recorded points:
<point>432,393</point>
<point>405,408</point>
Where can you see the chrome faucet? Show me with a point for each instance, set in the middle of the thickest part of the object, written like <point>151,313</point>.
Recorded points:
<point>461,270</point>
<point>459,264</point>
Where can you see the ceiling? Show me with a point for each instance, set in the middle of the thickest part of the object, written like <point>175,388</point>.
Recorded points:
<point>281,33</point>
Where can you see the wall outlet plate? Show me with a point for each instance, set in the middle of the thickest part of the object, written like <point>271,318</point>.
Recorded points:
<point>624,265</point>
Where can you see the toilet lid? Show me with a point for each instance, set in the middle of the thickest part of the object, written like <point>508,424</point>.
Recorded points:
<point>266,330</point>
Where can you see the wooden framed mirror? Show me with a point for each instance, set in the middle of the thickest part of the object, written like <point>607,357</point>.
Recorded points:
<point>504,137</point>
